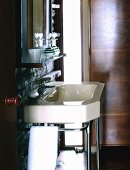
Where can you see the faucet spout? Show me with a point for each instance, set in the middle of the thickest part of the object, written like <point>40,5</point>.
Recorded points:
<point>40,86</point>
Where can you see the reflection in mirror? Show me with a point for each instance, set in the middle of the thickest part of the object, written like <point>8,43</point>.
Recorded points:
<point>38,39</point>
<point>38,11</point>
<point>35,26</point>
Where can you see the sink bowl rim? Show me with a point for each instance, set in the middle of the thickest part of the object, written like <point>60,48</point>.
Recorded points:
<point>96,96</point>
<point>88,111</point>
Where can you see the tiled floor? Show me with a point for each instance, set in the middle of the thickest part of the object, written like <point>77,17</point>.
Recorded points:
<point>112,158</point>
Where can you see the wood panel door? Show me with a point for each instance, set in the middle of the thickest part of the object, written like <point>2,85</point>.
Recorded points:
<point>8,148</point>
<point>110,63</point>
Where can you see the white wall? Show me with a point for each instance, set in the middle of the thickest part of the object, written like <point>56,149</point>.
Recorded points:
<point>72,41</point>
<point>72,47</point>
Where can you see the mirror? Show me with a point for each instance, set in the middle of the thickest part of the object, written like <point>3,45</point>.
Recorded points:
<point>36,24</point>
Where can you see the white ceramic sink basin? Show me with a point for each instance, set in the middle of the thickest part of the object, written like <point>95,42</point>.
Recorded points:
<point>72,93</point>
<point>67,103</point>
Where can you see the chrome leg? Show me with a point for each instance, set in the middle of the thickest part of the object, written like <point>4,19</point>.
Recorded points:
<point>98,142</point>
<point>88,147</point>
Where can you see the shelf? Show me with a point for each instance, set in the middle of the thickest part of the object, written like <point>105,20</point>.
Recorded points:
<point>55,6</point>
<point>40,65</point>
<point>46,61</point>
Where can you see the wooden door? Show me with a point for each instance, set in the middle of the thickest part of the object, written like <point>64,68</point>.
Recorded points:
<point>110,63</point>
<point>8,148</point>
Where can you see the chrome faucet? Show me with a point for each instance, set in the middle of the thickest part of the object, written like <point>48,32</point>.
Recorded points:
<point>42,84</point>
<point>39,85</point>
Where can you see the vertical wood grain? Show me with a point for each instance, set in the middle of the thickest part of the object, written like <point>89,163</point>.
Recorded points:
<point>110,63</point>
